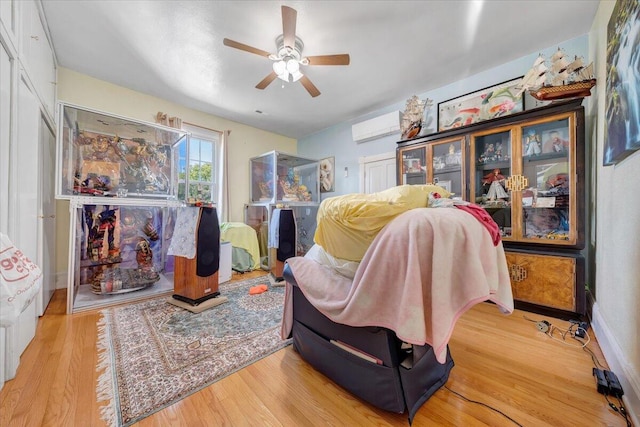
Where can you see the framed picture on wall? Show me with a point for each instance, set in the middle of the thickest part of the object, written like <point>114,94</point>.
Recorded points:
<point>327,175</point>
<point>484,104</point>
<point>622,110</point>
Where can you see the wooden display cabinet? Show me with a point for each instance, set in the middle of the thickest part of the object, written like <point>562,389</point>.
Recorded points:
<point>526,176</point>
<point>527,171</point>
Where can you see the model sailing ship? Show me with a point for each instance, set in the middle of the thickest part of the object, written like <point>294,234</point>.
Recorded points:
<point>411,124</point>
<point>562,79</point>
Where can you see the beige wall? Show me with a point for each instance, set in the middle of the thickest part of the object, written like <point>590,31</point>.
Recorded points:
<point>244,141</point>
<point>617,210</point>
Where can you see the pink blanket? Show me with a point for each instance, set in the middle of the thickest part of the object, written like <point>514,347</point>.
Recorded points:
<point>420,274</point>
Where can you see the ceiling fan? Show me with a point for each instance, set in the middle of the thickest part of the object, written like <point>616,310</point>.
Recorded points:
<point>288,57</point>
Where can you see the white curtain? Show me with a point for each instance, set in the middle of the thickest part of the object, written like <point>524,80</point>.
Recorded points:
<point>223,182</point>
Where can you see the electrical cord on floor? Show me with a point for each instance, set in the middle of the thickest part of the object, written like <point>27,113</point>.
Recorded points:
<point>483,404</point>
<point>549,329</point>
<point>594,358</point>
<point>620,409</point>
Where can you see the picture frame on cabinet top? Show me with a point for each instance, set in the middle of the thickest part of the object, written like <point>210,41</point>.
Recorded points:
<point>494,101</point>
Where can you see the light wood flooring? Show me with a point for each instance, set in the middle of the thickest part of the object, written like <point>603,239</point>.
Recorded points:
<point>501,361</point>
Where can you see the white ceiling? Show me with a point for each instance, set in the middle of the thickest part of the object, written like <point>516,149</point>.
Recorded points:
<point>173,50</point>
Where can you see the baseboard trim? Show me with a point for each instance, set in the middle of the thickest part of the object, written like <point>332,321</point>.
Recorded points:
<point>617,362</point>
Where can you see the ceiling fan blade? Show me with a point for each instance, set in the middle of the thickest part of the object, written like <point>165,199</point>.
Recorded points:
<point>342,59</point>
<point>267,80</point>
<point>289,26</point>
<point>310,87</point>
<point>246,48</point>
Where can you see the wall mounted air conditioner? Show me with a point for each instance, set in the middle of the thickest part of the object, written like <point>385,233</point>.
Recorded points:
<point>377,127</point>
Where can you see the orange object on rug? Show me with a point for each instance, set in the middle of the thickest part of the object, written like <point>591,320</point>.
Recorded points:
<point>258,289</point>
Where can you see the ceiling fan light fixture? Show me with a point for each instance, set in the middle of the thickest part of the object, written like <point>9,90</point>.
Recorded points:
<point>280,68</point>
<point>284,77</point>
<point>287,70</point>
<point>293,66</point>
<point>296,76</point>
<point>288,57</point>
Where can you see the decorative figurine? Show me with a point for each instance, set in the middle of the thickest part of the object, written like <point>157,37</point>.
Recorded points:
<point>496,190</point>
<point>453,157</point>
<point>150,230</point>
<point>100,226</point>
<point>144,254</point>
<point>532,144</point>
<point>555,144</point>
<point>499,151</point>
<point>412,117</point>
<point>489,154</point>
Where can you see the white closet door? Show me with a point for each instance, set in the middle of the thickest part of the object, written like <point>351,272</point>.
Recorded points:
<point>377,173</point>
<point>25,198</point>
<point>27,173</point>
<point>47,225</point>
<point>6,83</point>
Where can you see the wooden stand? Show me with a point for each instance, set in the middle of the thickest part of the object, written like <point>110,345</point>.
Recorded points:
<point>277,266</point>
<point>196,280</point>
<point>189,287</point>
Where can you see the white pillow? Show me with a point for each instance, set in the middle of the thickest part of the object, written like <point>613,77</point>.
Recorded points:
<point>341,266</point>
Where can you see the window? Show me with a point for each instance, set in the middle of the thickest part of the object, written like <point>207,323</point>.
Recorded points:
<point>200,161</point>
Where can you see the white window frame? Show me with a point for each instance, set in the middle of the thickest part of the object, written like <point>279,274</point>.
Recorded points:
<point>206,135</point>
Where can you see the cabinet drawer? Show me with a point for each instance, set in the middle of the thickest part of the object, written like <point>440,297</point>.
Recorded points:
<point>543,279</point>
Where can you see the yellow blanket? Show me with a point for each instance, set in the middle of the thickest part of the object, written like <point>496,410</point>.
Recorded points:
<point>242,236</point>
<point>348,224</point>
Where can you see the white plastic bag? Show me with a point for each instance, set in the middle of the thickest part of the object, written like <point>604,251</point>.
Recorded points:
<point>19,281</point>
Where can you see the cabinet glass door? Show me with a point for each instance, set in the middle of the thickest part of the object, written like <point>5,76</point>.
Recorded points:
<point>491,154</point>
<point>447,166</point>
<point>413,166</point>
<point>546,197</point>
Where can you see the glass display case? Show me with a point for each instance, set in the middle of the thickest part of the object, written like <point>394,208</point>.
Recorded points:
<point>119,252</point>
<point>525,177</point>
<point>279,177</point>
<point>413,166</point>
<point>121,179</point>
<point>440,162</point>
<point>104,155</point>
<point>258,217</point>
<point>546,201</point>
<point>491,153</point>
<point>447,161</point>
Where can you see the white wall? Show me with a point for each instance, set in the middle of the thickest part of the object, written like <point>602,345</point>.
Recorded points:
<point>616,312</point>
<point>244,142</point>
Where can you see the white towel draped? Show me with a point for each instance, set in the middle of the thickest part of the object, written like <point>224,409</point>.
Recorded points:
<point>274,229</point>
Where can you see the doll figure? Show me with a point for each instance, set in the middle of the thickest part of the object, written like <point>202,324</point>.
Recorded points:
<point>144,254</point>
<point>495,180</point>
<point>532,144</point>
<point>555,143</point>
<point>493,176</point>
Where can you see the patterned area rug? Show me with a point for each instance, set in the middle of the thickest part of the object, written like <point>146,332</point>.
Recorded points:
<point>152,354</point>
